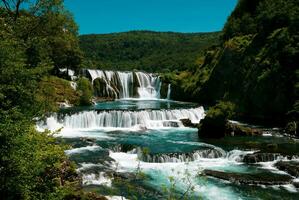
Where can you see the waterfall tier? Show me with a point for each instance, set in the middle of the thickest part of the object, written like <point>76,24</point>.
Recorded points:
<point>182,157</point>
<point>122,85</point>
<point>145,119</point>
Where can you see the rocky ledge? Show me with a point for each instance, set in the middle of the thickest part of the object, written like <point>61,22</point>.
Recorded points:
<point>260,157</point>
<point>188,123</point>
<point>233,129</point>
<point>291,167</point>
<point>265,178</point>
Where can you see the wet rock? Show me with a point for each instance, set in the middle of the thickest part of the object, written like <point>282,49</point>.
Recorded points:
<point>260,157</point>
<point>291,167</point>
<point>127,181</point>
<point>233,129</point>
<point>163,90</point>
<point>264,178</point>
<point>88,140</point>
<point>101,88</point>
<point>296,184</point>
<point>188,123</point>
<point>123,148</point>
<point>136,85</point>
<point>180,156</point>
<point>170,124</point>
<point>102,99</point>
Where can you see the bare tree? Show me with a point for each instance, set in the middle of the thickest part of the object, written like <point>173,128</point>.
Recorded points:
<point>14,6</point>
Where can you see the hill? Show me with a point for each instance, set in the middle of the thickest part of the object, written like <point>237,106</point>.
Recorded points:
<point>256,64</point>
<point>145,50</point>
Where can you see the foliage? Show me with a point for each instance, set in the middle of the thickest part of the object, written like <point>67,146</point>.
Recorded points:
<point>145,50</point>
<point>52,90</point>
<point>214,123</point>
<point>32,164</point>
<point>254,66</point>
<point>85,91</point>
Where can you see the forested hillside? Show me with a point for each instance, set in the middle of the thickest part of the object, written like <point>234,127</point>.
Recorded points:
<point>144,50</point>
<point>256,65</point>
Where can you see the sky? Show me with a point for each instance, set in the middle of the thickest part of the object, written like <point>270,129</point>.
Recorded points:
<point>110,16</point>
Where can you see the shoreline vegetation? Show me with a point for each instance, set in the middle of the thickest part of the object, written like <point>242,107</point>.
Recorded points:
<point>248,71</point>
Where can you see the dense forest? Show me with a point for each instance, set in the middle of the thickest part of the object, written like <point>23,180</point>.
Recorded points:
<point>145,50</point>
<point>35,38</point>
<point>255,66</point>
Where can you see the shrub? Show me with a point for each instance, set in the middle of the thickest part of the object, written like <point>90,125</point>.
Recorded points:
<point>213,125</point>
<point>85,91</point>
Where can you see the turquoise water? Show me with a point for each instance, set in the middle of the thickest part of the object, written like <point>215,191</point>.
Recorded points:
<point>104,152</point>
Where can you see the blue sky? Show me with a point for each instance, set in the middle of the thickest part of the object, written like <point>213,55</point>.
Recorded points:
<point>108,16</point>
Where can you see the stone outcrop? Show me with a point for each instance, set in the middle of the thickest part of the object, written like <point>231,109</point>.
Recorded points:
<point>291,167</point>
<point>260,157</point>
<point>265,178</point>
<point>188,123</point>
<point>233,129</point>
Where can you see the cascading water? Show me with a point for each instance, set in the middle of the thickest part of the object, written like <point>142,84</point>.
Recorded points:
<point>168,92</point>
<point>145,119</point>
<point>122,138</point>
<point>124,85</point>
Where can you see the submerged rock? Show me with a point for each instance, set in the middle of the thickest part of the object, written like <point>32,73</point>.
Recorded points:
<point>260,157</point>
<point>123,148</point>
<point>291,167</point>
<point>263,178</point>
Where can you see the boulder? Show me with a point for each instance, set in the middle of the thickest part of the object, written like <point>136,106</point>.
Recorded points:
<point>262,178</point>
<point>233,129</point>
<point>260,157</point>
<point>188,123</point>
<point>291,167</point>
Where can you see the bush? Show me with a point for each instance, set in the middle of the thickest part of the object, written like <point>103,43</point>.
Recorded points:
<point>52,90</point>
<point>85,91</point>
<point>213,125</point>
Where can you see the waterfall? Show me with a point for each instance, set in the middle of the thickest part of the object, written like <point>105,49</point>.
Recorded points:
<point>124,85</point>
<point>182,157</point>
<point>168,92</point>
<point>145,119</point>
<point>149,85</point>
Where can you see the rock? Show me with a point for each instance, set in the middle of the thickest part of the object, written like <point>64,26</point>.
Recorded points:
<point>291,167</point>
<point>123,148</point>
<point>233,129</point>
<point>292,128</point>
<point>88,140</point>
<point>136,85</point>
<point>102,99</point>
<point>188,123</point>
<point>296,184</point>
<point>101,89</point>
<point>163,91</point>
<point>180,156</point>
<point>260,157</point>
<point>264,178</point>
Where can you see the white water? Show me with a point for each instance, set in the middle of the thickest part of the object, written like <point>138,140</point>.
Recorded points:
<point>82,149</point>
<point>168,92</point>
<point>97,179</point>
<point>146,119</point>
<point>162,171</point>
<point>121,85</point>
